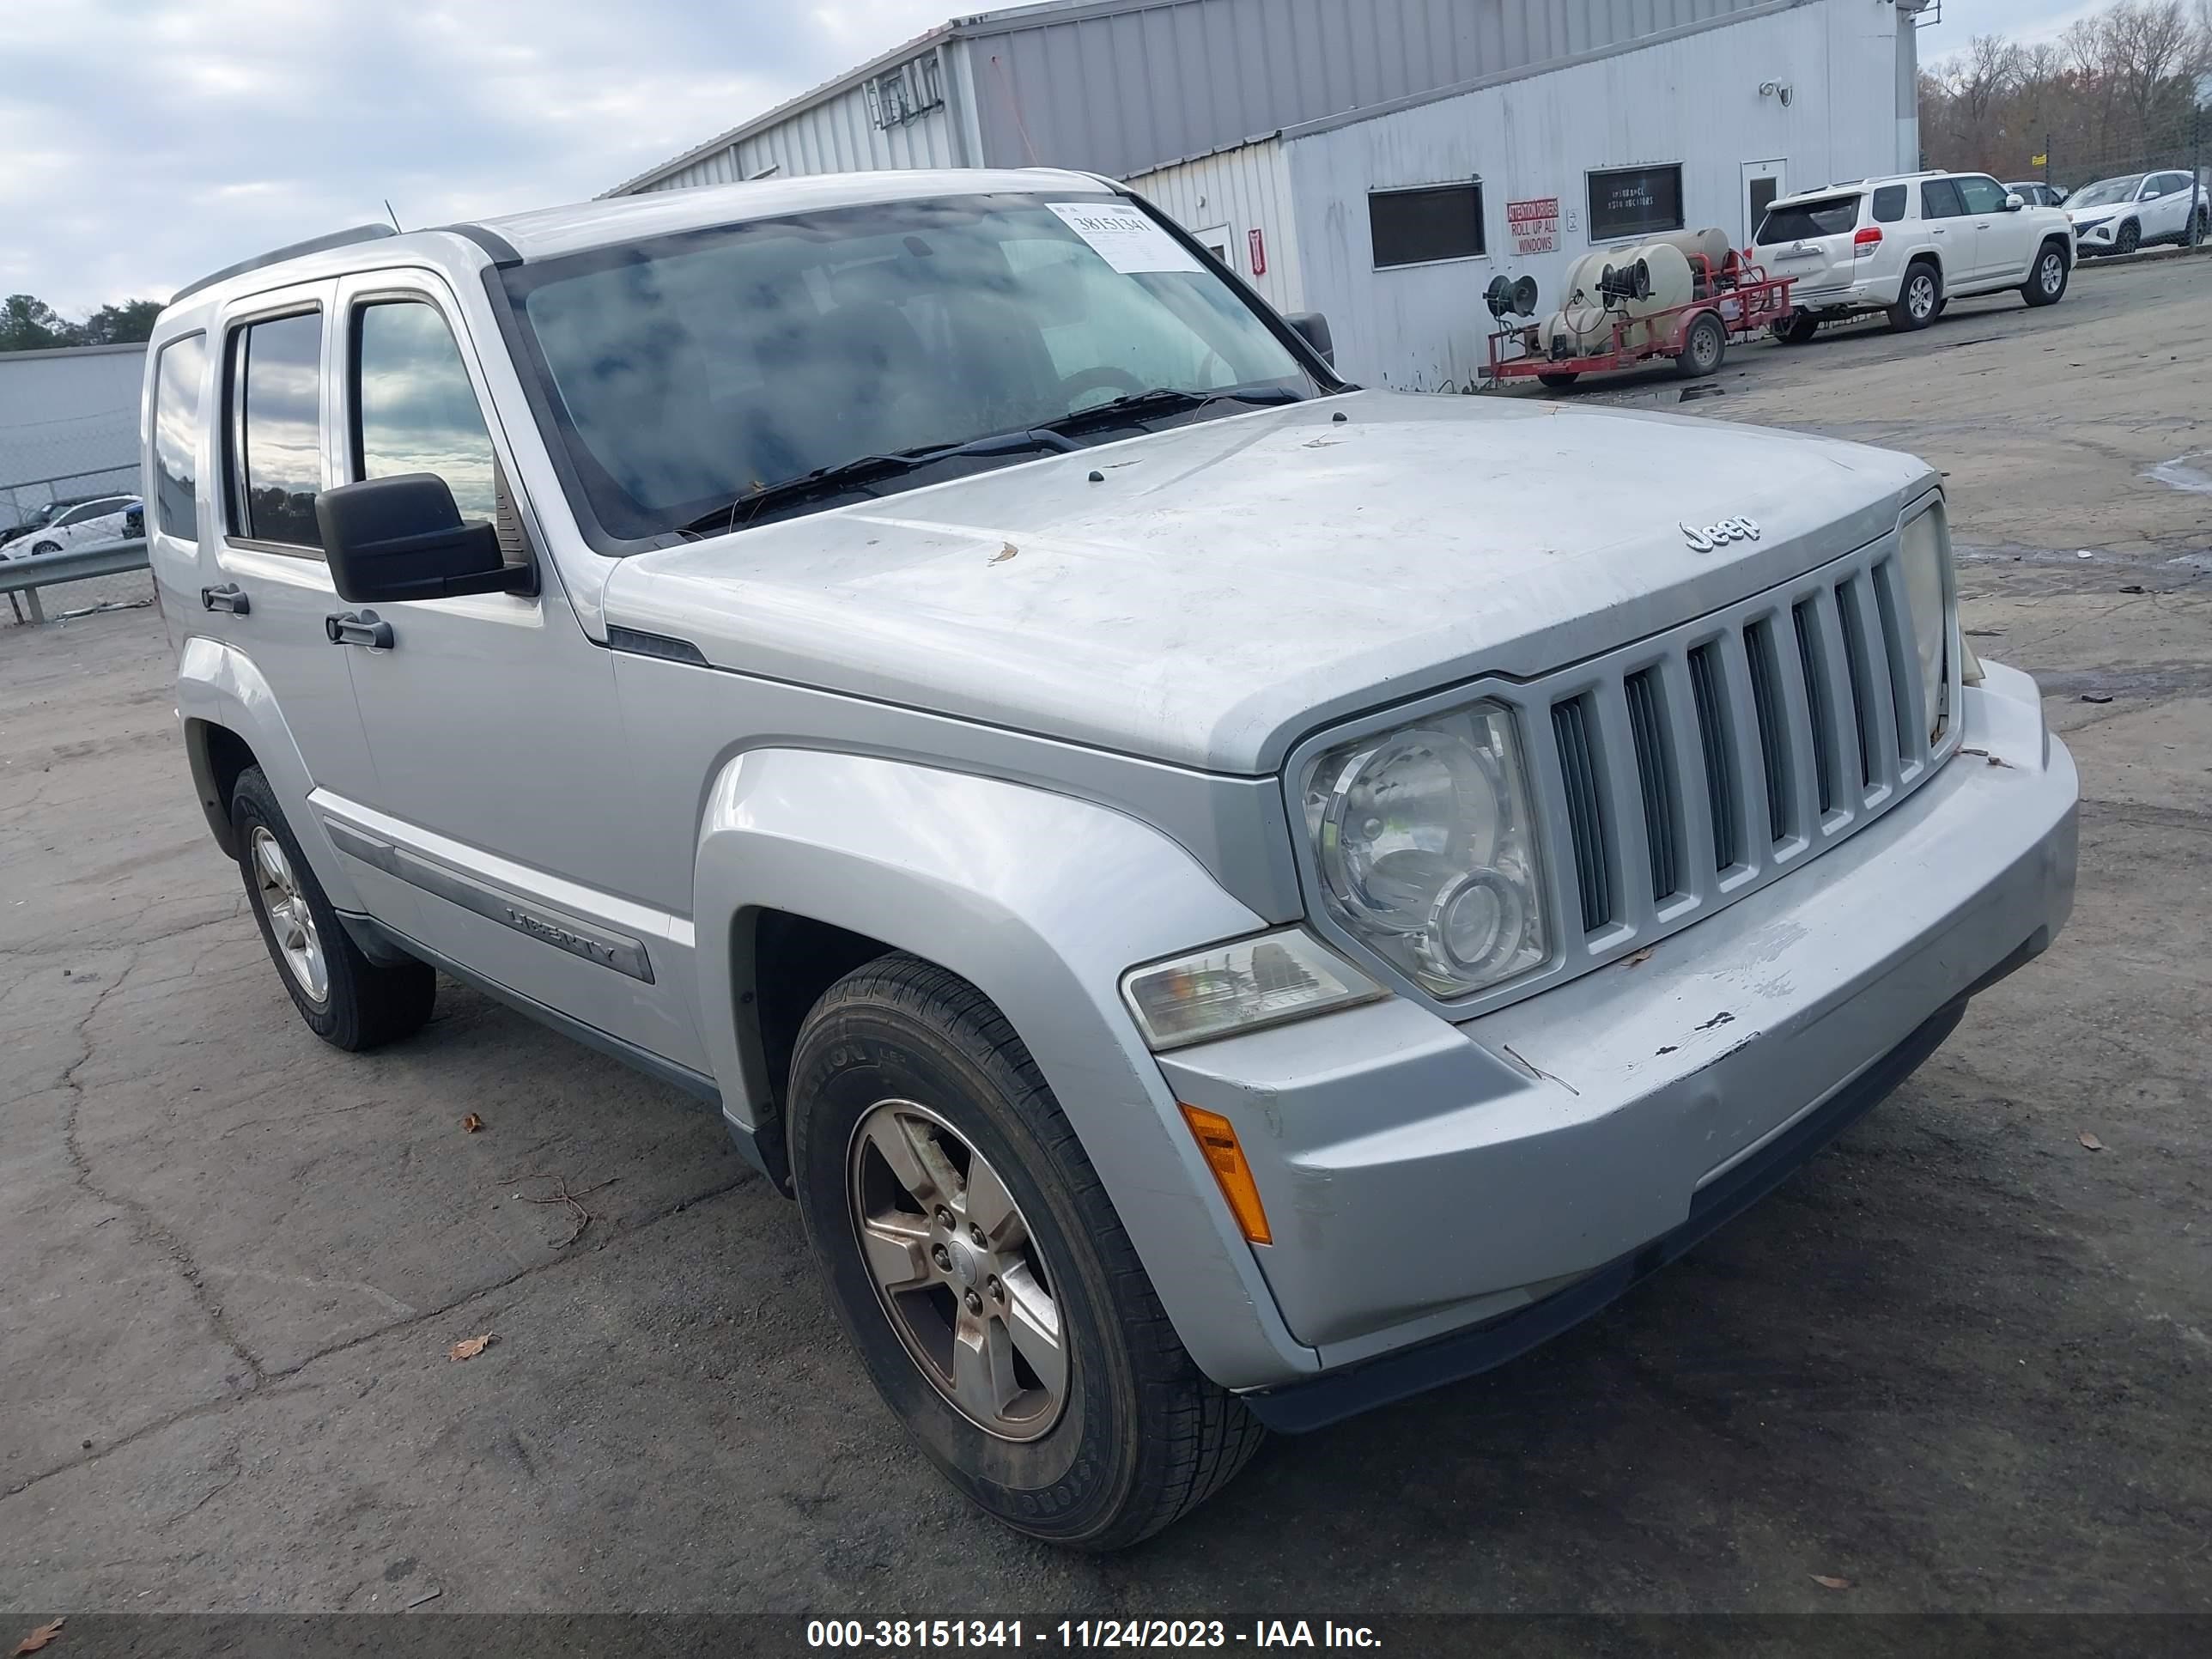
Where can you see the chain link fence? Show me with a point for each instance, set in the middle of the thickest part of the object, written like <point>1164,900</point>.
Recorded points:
<point>22,502</point>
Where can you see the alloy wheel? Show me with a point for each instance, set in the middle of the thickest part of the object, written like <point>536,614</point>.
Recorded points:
<point>2053,273</point>
<point>957,1270</point>
<point>1921,298</point>
<point>290,921</point>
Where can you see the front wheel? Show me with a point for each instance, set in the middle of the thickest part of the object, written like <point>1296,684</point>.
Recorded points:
<point>1918,305</point>
<point>46,547</point>
<point>1704,347</point>
<point>977,1264</point>
<point>2046,284</point>
<point>2129,240</point>
<point>347,1000</point>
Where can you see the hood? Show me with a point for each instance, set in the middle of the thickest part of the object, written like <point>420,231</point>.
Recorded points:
<point>1230,586</point>
<point>2081,216</point>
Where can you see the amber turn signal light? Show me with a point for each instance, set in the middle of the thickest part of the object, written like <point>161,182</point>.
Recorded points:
<point>1217,1139</point>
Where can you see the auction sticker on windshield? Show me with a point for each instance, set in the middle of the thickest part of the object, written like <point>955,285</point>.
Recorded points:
<point>1124,237</point>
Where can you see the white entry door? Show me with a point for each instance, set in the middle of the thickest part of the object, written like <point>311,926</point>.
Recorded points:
<point>1763,181</point>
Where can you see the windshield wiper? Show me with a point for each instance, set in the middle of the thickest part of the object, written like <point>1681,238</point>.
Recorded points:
<point>1167,400</point>
<point>849,478</point>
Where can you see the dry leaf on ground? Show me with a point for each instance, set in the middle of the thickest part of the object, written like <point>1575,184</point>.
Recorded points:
<point>1826,1583</point>
<point>473,1347</point>
<point>472,1123</point>
<point>2092,1142</point>
<point>1006,550</point>
<point>39,1638</point>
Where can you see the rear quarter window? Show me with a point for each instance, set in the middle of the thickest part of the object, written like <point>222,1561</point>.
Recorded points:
<point>1836,215</point>
<point>1889,204</point>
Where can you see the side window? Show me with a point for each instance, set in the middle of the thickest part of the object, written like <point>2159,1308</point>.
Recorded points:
<point>2164,183</point>
<point>414,409</point>
<point>1981,195</point>
<point>177,436</point>
<point>1940,200</point>
<point>1889,204</point>
<point>276,377</point>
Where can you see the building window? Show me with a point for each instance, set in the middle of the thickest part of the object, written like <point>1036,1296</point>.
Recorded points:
<point>1635,202</point>
<point>1421,227</point>
<point>897,96</point>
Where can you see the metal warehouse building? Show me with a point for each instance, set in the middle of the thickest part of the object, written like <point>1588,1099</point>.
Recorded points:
<point>1380,160</point>
<point>69,425</point>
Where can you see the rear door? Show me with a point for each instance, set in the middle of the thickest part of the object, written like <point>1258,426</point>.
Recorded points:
<point>1812,241</point>
<point>266,591</point>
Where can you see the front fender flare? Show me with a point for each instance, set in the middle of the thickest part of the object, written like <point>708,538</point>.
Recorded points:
<point>1041,902</point>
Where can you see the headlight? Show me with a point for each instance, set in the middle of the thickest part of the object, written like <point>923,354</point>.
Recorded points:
<point>1423,839</point>
<point>1924,555</point>
<point>1242,987</point>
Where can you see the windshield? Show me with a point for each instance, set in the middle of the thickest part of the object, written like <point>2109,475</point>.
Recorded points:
<point>689,370</point>
<point>2106,192</point>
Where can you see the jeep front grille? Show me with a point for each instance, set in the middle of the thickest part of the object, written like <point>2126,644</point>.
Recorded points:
<point>1687,770</point>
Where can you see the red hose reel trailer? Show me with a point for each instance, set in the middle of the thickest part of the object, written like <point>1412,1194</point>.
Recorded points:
<point>1734,300</point>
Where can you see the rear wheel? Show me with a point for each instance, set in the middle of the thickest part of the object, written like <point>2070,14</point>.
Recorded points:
<point>1918,301</point>
<point>347,1000</point>
<point>977,1264</point>
<point>1704,347</point>
<point>1559,382</point>
<point>2046,282</point>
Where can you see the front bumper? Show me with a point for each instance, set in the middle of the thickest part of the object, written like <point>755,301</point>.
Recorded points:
<point>2101,240</point>
<point>1425,1181</point>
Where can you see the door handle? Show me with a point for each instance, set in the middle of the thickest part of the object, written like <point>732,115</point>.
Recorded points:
<point>229,597</point>
<point>358,628</point>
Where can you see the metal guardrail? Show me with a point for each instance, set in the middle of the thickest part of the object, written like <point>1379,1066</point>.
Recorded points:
<point>28,573</point>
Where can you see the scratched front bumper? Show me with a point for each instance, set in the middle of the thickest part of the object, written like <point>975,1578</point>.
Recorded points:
<point>1422,1177</point>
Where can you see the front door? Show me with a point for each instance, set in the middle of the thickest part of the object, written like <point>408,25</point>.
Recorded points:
<point>1763,181</point>
<point>501,787</point>
<point>2004,242</point>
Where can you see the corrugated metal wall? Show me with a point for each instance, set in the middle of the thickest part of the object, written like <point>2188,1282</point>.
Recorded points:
<point>1223,199</point>
<point>68,414</point>
<point>1693,101</point>
<point>1118,90</point>
<point>838,135</point>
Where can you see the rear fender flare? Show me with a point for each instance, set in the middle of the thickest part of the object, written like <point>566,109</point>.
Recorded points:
<point>1041,902</point>
<point>218,685</point>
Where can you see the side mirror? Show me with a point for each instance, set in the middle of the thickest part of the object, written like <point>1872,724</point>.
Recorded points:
<point>2015,201</point>
<point>1313,328</point>
<point>401,538</point>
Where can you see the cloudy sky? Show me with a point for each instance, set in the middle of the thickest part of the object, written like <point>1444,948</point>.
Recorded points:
<point>147,142</point>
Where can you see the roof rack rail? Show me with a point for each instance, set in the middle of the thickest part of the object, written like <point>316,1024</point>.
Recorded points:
<point>290,250</point>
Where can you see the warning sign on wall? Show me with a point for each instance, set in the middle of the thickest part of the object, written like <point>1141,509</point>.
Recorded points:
<point>1534,226</point>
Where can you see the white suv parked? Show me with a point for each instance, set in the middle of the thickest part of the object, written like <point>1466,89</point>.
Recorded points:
<point>1908,244</point>
<point>2118,215</point>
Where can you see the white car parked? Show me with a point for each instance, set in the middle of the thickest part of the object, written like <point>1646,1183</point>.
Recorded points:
<point>2118,215</point>
<point>100,521</point>
<point>1907,246</point>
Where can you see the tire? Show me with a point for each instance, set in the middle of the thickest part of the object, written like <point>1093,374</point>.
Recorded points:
<point>347,1000</point>
<point>1704,347</point>
<point>1134,1436</point>
<point>2047,278</point>
<point>1801,326</point>
<point>2129,239</point>
<point>1559,382</point>
<point>46,547</point>
<point>1920,299</point>
<point>2203,228</point>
